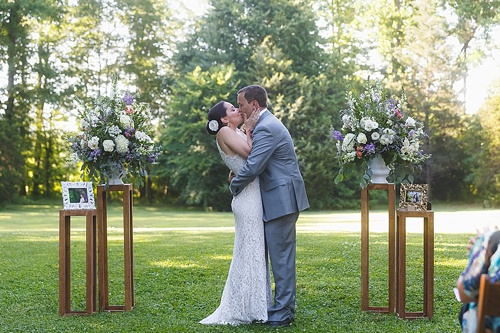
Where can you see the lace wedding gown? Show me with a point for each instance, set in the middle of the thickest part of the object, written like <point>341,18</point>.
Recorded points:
<point>247,292</point>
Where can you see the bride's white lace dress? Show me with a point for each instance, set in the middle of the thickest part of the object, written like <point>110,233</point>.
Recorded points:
<point>247,292</point>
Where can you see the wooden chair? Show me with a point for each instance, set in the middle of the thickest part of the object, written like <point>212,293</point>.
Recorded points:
<point>488,303</point>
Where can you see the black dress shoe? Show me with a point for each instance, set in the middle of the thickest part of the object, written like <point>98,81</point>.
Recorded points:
<point>282,323</point>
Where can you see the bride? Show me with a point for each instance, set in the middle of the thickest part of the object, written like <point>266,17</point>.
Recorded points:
<point>247,292</point>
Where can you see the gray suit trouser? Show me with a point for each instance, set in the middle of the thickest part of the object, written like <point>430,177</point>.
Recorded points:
<point>281,247</point>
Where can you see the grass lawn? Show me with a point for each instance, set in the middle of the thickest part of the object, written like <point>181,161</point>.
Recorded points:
<point>181,260</point>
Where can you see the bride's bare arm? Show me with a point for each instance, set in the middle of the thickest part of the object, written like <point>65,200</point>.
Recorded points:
<point>233,144</point>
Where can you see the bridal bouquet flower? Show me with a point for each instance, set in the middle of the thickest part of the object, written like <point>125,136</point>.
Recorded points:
<point>114,138</point>
<point>375,125</point>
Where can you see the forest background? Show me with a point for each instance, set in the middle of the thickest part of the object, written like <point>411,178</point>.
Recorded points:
<point>58,54</point>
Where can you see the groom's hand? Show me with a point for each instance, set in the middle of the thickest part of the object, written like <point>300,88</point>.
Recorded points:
<point>231,176</point>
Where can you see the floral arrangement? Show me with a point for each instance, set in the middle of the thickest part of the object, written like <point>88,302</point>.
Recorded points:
<point>375,125</point>
<point>114,139</point>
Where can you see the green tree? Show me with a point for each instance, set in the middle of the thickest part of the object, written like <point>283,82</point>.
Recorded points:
<point>472,27</point>
<point>346,66</point>
<point>20,52</point>
<point>307,106</point>
<point>191,165</point>
<point>420,59</point>
<point>231,30</point>
<point>486,177</point>
<point>151,28</point>
<point>44,164</point>
<point>92,46</point>
<point>277,44</point>
<point>145,60</point>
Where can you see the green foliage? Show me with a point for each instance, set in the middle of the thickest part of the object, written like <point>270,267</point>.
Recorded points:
<point>278,46</point>
<point>232,30</point>
<point>152,27</point>
<point>11,163</point>
<point>486,175</point>
<point>470,16</point>
<point>191,164</point>
<point>56,54</point>
<point>424,63</point>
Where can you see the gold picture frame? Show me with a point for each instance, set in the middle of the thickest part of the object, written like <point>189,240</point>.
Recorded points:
<point>413,197</point>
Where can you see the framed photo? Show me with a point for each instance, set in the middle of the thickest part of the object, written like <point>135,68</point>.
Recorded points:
<point>413,197</point>
<point>78,195</point>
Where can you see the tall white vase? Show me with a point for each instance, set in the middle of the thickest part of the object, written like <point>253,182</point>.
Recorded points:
<point>116,176</point>
<point>380,171</point>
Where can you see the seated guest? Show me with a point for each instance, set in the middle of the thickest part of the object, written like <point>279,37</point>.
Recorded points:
<point>484,258</point>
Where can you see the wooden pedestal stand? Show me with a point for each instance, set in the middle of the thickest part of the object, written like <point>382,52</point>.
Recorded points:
<point>365,245</point>
<point>102,221</point>
<point>64,260</point>
<point>428,306</point>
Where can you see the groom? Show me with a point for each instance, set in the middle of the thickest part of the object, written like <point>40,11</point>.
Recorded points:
<point>273,160</point>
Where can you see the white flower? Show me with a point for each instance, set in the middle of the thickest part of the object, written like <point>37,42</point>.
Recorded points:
<point>361,138</point>
<point>94,120</point>
<point>125,120</point>
<point>388,137</point>
<point>348,157</point>
<point>213,125</point>
<point>368,124</point>
<point>410,122</point>
<point>375,136</point>
<point>83,124</point>
<point>385,139</point>
<point>346,120</point>
<point>141,136</point>
<point>409,148</point>
<point>121,144</point>
<point>94,142</point>
<point>114,130</point>
<point>350,101</point>
<point>73,158</point>
<point>348,143</point>
<point>108,145</point>
<point>389,131</point>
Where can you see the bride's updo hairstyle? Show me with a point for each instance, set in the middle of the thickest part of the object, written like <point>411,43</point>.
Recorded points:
<point>215,114</point>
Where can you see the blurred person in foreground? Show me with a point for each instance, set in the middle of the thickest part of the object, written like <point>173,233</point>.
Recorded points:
<point>484,258</point>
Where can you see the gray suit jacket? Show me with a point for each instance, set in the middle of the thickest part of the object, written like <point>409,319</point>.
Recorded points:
<point>274,161</point>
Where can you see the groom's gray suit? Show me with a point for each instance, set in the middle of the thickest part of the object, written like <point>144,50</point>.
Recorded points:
<point>274,161</point>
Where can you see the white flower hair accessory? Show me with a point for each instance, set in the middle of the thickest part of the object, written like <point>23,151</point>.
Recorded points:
<point>213,125</point>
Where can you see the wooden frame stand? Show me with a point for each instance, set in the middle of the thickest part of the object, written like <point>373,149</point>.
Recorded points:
<point>428,306</point>
<point>103,247</point>
<point>64,261</point>
<point>365,245</point>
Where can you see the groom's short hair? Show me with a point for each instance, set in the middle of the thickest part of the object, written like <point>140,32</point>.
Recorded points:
<point>255,93</point>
